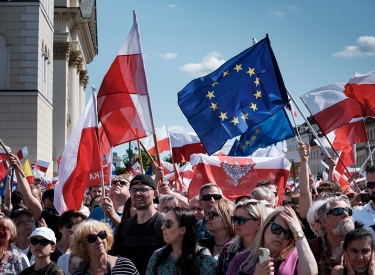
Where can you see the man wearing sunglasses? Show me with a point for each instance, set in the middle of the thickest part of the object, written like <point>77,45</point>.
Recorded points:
<point>208,194</point>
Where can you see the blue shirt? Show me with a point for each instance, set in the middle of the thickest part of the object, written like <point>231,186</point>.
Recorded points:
<point>98,214</point>
<point>202,232</point>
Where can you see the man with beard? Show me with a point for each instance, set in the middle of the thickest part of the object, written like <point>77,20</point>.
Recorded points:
<point>366,214</point>
<point>138,237</point>
<point>335,221</point>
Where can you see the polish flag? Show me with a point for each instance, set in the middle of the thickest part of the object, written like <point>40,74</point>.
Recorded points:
<point>362,89</point>
<point>238,175</point>
<point>351,133</point>
<point>22,153</point>
<point>182,177</point>
<point>80,164</point>
<point>134,170</point>
<point>3,154</point>
<point>28,172</point>
<point>3,168</point>
<point>184,145</point>
<point>341,179</point>
<point>162,136</point>
<point>106,154</point>
<point>55,180</point>
<point>41,165</point>
<point>348,156</point>
<point>123,101</point>
<point>330,107</point>
<point>167,166</point>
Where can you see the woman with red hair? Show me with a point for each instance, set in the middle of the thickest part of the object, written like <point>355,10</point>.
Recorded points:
<point>10,261</point>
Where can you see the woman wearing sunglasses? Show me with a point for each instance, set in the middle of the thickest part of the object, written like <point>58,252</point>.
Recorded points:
<point>248,218</point>
<point>219,224</point>
<point>90,242</point>
<point>181,255</point>
<point>281,233</point>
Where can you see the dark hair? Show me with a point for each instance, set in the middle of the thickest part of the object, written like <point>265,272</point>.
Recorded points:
<point>16,197</point>
<point>267,183</point>
<point>370,170</point>
<point>294,196</point>
<point>93,199</point>
<point>50,193</point>
<point>241,197</point>
<point>329,186</point>
<point>126,211</point>
<point>64,218</point>
<point>359,233</point>
<point>186,261</point>
<point>4,232</point>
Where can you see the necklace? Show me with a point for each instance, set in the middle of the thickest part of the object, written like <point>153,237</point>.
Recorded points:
<point>220,245</point>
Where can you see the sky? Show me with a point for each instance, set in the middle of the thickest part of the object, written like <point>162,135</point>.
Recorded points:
<point>316,43</point>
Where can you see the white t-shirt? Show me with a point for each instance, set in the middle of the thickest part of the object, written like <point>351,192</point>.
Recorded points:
<point>366,215</point>
<point>25,251</point>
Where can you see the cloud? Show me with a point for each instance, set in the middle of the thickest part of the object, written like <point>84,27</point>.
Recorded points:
<point>172,6</point>
<point>293,8</point>
<point>209,63</point>
<point>178,129</point>
<point>277,14</point>
<point>170,56</point>
<point>366,47</point>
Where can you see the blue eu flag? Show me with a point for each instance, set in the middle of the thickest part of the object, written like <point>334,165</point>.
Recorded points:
<point>272,130</point>
<point>243,92</point>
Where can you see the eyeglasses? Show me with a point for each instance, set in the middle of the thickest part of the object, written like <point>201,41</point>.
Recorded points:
<point>277,230</point>
<point>141,190</point>
<point>51,211</point>
<point>241,220</point>
<point>92,237</point>
<point>42,242</point>
<point>340,210</point>
<point>286,203</point>
<point>208,197</point>
<point>122,182</point>
<point>168,223</point>
<point>26,221</point>
<point>211,215</point>
<point>370,184</point>
<point>329,194</point>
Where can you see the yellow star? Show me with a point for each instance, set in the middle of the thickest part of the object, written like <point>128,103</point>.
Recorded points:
<point>225,73</point>
<point>244,116</point>
<point>215,83</point>
<point>254,107</point>
<point>250,71</point>
<point>214,106</point>
<point>223,116</point>
<point>247,142</point>
<point>257,131</point>
<point>243,147</point>
<point>258,94</point>
<point>256,81</point>
<point>235,121</point>
<point>210,94</point>
<point>238,67</point>
<point>253,137</point>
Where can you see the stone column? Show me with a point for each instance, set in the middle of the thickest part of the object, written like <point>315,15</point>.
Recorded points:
<point>83,81</point>
<point>74,66</point>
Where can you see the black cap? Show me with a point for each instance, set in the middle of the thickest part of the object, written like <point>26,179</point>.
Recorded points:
<point>16,212</point>
<point>143,179</point>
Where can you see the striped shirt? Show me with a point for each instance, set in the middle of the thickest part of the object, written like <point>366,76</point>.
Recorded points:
<point>123,266</point>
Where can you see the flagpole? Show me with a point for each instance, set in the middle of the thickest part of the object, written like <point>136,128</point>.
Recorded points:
<point>148,153</point>
<point>369,149</point>
<point>295,125</point>
<point>7,152</point>
<point>364,163</point>
<point>140,155</point>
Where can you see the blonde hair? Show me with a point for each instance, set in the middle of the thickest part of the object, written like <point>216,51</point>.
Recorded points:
<point>225,209</point>
<point>8,222</point>
<point>259,242</point>
<point>255,209</point>
<point>84,229</point>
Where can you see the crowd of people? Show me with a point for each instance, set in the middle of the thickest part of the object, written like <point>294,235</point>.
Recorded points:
<point>142,226</point>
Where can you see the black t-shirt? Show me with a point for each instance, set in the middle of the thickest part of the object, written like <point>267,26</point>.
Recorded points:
<point>50,269</point>
<point>139,242</point>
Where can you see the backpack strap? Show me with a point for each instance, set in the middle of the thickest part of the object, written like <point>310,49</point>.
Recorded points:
<point>158,224</point>
<point>315,245</point>
<point>127,225</point>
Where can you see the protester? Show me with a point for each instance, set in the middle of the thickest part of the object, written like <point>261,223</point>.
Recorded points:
<point>208,194</point>
<point>138,237</point>
<point>181,255</point>
<point>269,184</point>
<point>358,253</point>
<point>248,218</point>
<point>264,194</point>
<point>281,233</point>
<point>36,192</point>
<point>313,218</point>
<point>242,198</point>
<point>196,208</point>
<point>49,214</point>
<point>290,198</point>
<point>219,223</point>
<point>43,243</point>
<point>91,241</point>
<point>95,191</point>
<point>167,202</point>
<point>95,202</point>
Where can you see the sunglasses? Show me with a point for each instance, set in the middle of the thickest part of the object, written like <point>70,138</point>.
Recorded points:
<point>208,197</point>
<point>92,237</point>
<point>241,220</point>
<point>286,203</point>
<point>51,211</point>
<point>340,210</point>
<point>122,182</point>
<point>329,194</point>
<point>276,229</point>
<point>42,242</point>
<point>370,184</point>
<point>141,190</point>
<point>211,215</point>
<point>167,223</point>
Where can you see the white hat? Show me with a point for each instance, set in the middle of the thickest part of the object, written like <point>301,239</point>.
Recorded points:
<point>45,233</point>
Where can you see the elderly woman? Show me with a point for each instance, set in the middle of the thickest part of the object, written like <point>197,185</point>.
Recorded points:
<point>281,233</point>
<point>91,241</point>
<point>23,219</point>
<point>10,260</point>
<point>248,218</point>
<point>219,223</point>
<point>181,255</point>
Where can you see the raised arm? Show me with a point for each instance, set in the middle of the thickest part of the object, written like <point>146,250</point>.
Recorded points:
<point>305,200</point>
<point>7,191</point>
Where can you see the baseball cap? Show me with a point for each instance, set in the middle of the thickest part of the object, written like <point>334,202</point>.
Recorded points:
<point>143,179</point>
<point>18,211</point>
<point>44,232</point>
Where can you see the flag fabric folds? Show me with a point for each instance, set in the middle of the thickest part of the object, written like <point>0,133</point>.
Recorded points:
<point>241,93</point>
<point>28,172</point>
<point>162,136</point>
<point>41,165</point>
<point>270,131</point>
<point>22,153</point>
<point>123,101</point>
<point>3,168</point>
<point>80,164</point>
<point>184,145</point>
<point>3,154</point>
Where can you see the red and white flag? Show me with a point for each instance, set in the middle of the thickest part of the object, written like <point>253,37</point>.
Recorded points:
<point>184,145</point>
<point>162,136</point>
<point>22,153</point>
<point>123,101</point>
<point>341,179</point>
<point>3,168</point>
<point>348,157</point>
<point>3,154</point>
<point>167,167</point>
<point>351,133</point>
<point>362,88</point>
<point>134,170</point>
<point>330,107</point>
<point>41,165</point>
<point>238,175</point>
<point>54,180</point>
<point>182,177</point>
<point>106,154</point>
<point>80,164</point>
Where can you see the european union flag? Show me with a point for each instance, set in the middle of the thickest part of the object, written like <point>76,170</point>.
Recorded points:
<point>272,130</point>
<point>243,92</point>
